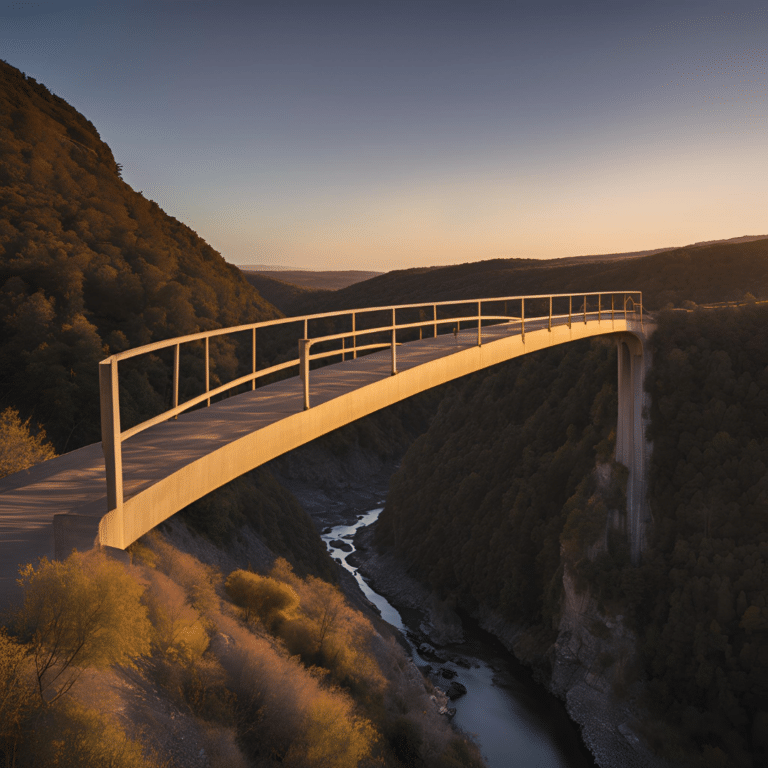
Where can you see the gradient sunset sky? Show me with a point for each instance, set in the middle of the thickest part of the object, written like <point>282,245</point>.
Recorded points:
<point>383,135</point>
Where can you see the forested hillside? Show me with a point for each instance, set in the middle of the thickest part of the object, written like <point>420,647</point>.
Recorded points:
<point>501,493</point>
<point>479,504</point>
<point>702,274</point>
<point>89,267</point>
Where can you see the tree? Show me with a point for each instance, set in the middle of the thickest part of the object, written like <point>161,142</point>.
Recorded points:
<point>19,448</point>
<point>84,611</point>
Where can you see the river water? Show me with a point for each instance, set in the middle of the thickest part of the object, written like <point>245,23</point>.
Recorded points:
<point>516,723</point>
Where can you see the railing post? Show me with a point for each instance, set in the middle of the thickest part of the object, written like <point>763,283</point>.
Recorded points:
<point>522,319</point>
<point>354,338</point>
<point>304,345</point>
<point>207,369</point>
<point>394,344</point>
<point>550,315</point>
<point>570,309</point>
<point>109,401</point>
<point>176,353</point>
<point>585,309</point>
<point>434,317</point>
<point>612,298</point>
<point>625,307</point>
<point>479,324</point>
<point>306,325</point>
<point>599,306</point>
<point>343,349</point>
<point>253,359</point>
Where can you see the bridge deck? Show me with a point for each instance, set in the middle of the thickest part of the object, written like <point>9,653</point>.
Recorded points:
<point>75,484</point>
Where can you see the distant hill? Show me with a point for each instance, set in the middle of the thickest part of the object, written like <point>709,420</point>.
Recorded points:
<point>634,254</point>
<point>701,273</point>
<point>289,298</point>
<point>89,267</point>
<point>328,280</point>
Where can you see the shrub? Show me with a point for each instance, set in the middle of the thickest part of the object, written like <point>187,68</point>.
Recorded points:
<point>270,600</point>
<point>16,697</point>
<point>19,448</point>
<point>177,626</point>
<point>83,611</point>
<point>73,736</point>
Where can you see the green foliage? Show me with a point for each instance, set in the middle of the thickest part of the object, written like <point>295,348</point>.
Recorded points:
<point>19,448</point>
<point>84,611</point>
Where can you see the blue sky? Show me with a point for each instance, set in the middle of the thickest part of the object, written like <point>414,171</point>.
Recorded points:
<point>382,135</point>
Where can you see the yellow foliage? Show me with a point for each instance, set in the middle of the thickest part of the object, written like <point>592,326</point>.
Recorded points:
<point>331,736</point>
<point>19,448</point>
<point>16,694</point>
<point>177,625</point>
<point>83,611</point>
<point>199,580</point>
<point>74,736</point>
<point>329,633</point>
<point>271,600</point>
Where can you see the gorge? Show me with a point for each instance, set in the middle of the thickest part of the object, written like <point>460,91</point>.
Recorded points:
<point>507,505</point>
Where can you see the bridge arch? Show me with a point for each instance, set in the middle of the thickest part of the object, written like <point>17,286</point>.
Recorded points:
<point>205,449</point>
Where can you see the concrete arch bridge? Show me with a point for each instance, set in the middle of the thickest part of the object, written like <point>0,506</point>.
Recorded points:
<point>349,363</point>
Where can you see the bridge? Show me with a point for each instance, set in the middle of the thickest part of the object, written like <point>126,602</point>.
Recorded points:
<point>113,492</point>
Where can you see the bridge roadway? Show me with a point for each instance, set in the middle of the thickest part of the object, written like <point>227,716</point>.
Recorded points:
<point>170,463</point>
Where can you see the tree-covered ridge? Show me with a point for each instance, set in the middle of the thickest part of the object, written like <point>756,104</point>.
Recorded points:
<point>500,494</point>
<point>704,273</point>
<point>705,606</point>
<point>479,504</point>
<point>88,267</point>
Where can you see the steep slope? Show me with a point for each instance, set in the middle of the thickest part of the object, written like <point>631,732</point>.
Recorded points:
<point>89,267</point>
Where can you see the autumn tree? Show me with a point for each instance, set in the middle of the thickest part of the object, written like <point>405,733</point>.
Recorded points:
<point>19,447</point>
<point>83,611</point>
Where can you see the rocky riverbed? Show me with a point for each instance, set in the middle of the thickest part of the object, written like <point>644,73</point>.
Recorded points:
<point>335,493</point>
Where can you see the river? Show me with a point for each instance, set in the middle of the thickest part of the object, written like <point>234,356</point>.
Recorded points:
<point>516,723</point>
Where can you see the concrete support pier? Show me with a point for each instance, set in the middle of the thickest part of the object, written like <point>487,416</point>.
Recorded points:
<point>632,448</point>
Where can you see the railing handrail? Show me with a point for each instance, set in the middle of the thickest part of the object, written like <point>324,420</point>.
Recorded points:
<point>113,435</point>
<point>166,343</point>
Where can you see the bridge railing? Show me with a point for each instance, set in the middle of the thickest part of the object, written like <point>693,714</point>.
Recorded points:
<point>109,383</point>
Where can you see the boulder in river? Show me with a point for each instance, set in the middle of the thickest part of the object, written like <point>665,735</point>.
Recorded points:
<point>447,673</point>
<point>455,690</point>
<point>344,546</point>
<point>427,651</point>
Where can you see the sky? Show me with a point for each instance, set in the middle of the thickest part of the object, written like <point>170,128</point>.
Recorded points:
<point>385,135</point>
